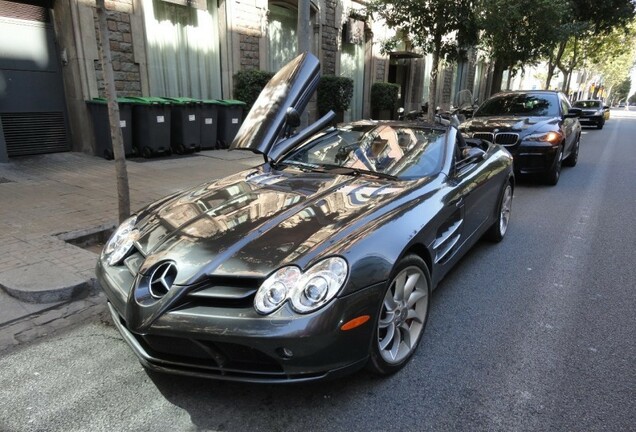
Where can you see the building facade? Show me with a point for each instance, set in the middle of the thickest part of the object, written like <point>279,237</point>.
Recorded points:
<point>49,59</point>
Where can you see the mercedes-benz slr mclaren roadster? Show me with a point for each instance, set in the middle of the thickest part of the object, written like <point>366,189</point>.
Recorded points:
<point>316,263</point>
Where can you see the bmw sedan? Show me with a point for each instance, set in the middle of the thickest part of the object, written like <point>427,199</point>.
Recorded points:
<point>318,262</point>
<point>539,128</point>
<point>593,113</point>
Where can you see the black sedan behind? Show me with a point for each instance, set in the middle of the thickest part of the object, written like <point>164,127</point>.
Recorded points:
<point>539,128</point>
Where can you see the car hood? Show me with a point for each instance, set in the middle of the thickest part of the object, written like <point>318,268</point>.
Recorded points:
<point>508,124</point>
<point>258,220</point>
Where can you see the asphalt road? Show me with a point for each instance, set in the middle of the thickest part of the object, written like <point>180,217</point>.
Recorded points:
<point>536,333</point>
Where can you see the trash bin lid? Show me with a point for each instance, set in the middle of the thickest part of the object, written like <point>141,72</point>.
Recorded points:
<point>104,101</point>
<point>148,100</point>
<point>230,102</point>
<point>181,100</point>
<point>211,102</point>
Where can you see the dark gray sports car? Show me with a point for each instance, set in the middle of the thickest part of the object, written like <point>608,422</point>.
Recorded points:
<point>316,263</point>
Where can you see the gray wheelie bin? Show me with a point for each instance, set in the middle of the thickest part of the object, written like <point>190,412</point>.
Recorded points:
<point>185,124</point>
<point>209,123</point>
<point>230,119</point>
<point>151,125</point>
<point>98,108</point>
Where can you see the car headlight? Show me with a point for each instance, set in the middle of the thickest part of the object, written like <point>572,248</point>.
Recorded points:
<point>551,137</point>
<point>121,241</point>
<point>305,291</point>
<point>599,112</point>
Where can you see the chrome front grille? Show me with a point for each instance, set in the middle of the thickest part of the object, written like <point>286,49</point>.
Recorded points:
<point>506,138</point>
<point>488,136</point>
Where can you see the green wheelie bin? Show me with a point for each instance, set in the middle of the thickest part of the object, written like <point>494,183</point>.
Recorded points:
<point>209,110</point>
<point>185,124</point>
<point>98,108</point>
<point>151,126</point>
<point>230,119</point>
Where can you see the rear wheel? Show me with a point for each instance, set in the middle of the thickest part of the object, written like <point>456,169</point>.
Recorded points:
<point>147,152</point>
<point>498,230</point>
<point>402,318</point>
<point>552,178</point>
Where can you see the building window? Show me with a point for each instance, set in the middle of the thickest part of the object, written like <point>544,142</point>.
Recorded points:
<point>283,40</point>
<point>352,66</point>
<point>183,49</point>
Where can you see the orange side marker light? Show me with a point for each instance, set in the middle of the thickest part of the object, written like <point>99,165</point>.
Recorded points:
<point>356,322</point>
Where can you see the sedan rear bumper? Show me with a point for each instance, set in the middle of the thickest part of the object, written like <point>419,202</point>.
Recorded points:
<point>591,120</point>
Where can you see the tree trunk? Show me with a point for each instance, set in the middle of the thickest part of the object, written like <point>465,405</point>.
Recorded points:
<point>304,27</point>
<point>497,77</point>
<point>432,87</point>
<point>553,62</point>
<point>123,193</point>
<point>508,83</point>
<point>566,78</point>
<point>571,66</point>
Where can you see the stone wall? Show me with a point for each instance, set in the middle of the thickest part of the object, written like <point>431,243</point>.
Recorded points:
<point>250,52</point>
<point>380,70</point>
<point>126,71</point>
<point>249,19</point>
<point>330,30</point>
<point>447,85</point>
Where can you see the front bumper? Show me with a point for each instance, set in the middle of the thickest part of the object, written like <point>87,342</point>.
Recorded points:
<point>238,344</point>
<point>534,158</point>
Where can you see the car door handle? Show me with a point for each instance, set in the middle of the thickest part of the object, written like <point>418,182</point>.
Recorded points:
<point>460,202</point>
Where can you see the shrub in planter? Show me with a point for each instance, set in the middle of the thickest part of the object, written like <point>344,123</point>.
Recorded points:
<point>384,98</point>
<point>248,85</point>
<point>334,93</point>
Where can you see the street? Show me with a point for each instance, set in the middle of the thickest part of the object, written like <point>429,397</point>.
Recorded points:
<point>535,333</point>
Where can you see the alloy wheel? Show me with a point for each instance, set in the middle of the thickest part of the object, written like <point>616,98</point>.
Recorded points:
<point>506,207</point>
<point>403,315</point>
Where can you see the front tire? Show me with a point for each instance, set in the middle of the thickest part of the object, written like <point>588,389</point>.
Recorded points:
<point>574,156</point>
<point>402,316</point>
<point>552,178</point>
<point>498,230</point>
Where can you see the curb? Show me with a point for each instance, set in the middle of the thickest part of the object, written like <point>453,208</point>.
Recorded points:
<point>43,323</point>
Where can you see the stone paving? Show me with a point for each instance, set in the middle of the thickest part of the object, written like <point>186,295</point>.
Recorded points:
<point>46,199</point>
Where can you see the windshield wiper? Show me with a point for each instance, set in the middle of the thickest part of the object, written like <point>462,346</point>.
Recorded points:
<point>304,166</point>
<point>337,169</point>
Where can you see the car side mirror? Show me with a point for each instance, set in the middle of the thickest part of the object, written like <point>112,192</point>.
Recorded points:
<point>292,121</point>
<point>573,113</point>
<point>292,117</point>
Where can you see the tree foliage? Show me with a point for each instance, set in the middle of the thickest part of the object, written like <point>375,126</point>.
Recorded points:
<point>443,28</point>
<point>586,19</point>
<point>517,33</point>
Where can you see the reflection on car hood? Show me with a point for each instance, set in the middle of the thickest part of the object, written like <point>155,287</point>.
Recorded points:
<point>256,221</point>
<point>508,123</point>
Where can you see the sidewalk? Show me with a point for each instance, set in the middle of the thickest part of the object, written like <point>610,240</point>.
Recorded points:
<point>50,203</point>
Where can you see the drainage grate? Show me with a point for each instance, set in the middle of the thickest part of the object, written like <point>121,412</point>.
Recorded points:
<point>92,240</point>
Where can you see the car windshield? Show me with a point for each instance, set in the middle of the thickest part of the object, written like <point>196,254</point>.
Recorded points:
<point>520,104</point>
<point>382,150</point>
<point>587,104</point>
